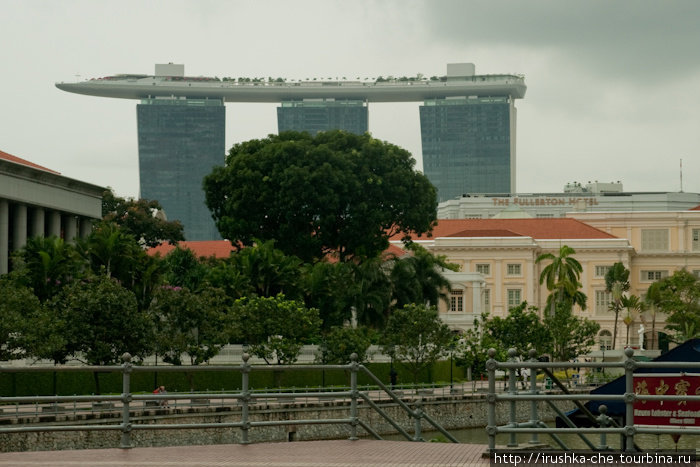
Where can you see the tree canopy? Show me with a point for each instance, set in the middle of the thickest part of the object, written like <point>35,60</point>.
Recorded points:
<point>334,193</point>
<point>141,218</point>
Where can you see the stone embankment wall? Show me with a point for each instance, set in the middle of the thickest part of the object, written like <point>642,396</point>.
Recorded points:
<point>452,412</point>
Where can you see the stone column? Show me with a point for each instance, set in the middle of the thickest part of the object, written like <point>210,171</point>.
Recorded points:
<point>71,228</point>
<point>476,297</point>
<point>19,232</point>
<point>55,224</point>
<point>4,236</point>
<point>85,227</point>
<point>38,222</point>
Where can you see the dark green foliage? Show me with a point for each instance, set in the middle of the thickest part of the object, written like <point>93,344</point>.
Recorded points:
<point>340,342</point>
<point>416,278</point>
<point>260,270</point>
<point>330,288</point>
<point>184,269</point>
<point>142,219</point>
<point>16,304</point>
<point>188,323</point>
<point>522,330</point>
<point>416,337</point>
<point>336,193</point>
<point>571,336</point>
<point>47,264</point>
<point>561,277</point>
<point>275,328</point>
<point>679,296</point>
<point>104,321</point>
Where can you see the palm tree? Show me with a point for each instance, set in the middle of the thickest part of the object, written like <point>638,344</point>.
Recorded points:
<point>50,263</point>
<point>561,277</point>
<point>634,306</point>
<point>617,282</point>
<point>652,300</point>
<point>418,278</point>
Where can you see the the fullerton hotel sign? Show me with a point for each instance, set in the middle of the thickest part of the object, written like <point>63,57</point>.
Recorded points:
<point>545,201</point>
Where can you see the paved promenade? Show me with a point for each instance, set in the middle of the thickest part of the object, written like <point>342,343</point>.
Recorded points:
<point>340,453</point>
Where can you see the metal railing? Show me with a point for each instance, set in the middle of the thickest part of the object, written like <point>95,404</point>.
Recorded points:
<point>605,424</point>
<point>245,398</point>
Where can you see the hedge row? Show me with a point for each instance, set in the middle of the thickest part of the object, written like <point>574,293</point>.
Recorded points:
<point>71,383</point>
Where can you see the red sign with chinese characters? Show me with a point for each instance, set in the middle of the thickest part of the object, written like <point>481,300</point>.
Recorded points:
<point>667,413</point>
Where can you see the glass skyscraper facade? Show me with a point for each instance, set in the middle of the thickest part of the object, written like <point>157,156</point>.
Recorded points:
<point>180,141</point>
<point>323,115</point>
<point>469,145</point>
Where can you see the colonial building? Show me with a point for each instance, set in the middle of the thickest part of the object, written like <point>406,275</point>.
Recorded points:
<point>36,201</point>
<point>498,268</point>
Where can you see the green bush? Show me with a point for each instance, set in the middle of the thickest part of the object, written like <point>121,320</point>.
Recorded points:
<point>82,382</point>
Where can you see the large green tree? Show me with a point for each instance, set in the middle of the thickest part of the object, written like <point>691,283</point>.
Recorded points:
<point>570,335</point>
<point>679,296</point>
<point>274,328</point>
<point>188,325</point>
<point>334,193</point>
<point>141,218</point>
<point>17,303</point>
<point>416,337</point>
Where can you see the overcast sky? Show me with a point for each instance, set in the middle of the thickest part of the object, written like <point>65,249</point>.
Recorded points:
<point>613,86</point>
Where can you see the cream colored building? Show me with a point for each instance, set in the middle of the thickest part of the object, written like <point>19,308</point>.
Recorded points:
<point>498,268</point>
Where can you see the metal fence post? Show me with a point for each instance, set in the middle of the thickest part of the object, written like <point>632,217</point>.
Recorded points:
<point>126,398</point>
<point>630,366</point>
<point>534,416</point>
<point>512,389</point>
<point>491,428</point>
<point>604,422</point>
<point>354,366</point>
<point>245,392</point>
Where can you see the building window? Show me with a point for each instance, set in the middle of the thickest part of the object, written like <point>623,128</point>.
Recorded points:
<point>654,239</point>
<point>696,239</point>
<point>514,269</point>
<point>653,276</point>
<point>544,215</point>
<point>484,269</point>
<point>457,301</point>
<point>602,301</point>
<point>514,298</point>
<point>601,271</point>
<point>696,273</point>
<point>605,340</point>
<point>486,300</point>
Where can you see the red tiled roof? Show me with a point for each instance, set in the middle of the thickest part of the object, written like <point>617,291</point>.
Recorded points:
<point>17,160</point>
<point>206,248</point>
<point>564,228</point>
<point>696,208</point>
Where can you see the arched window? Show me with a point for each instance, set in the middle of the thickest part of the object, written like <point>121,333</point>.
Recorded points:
<point>605,339</point>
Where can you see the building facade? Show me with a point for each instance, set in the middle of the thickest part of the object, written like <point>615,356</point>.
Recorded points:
<point>499,269</point>
<point>323,115</point>
<point>469,145</point>
<point>36,201</point>
<point>594,197</point>
<point>180,141</point>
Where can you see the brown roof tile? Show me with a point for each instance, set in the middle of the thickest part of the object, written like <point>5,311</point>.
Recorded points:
<point>18,160</point>
<point>206,248</point>
<point>564,228</point>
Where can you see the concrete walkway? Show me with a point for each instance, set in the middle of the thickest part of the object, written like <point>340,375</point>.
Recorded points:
<point>340,453</point>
